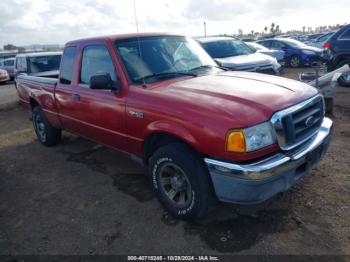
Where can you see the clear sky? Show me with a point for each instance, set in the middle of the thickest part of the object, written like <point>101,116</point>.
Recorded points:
<point>24,22</point>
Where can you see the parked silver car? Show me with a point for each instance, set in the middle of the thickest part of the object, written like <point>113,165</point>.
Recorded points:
<point>278,54</point>
<point>8,65</point>
<point>232,53</point>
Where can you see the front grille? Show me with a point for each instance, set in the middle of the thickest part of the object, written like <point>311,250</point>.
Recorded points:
<point>297,124</point>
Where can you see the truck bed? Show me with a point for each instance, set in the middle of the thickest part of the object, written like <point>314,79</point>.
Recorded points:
<point>34,90</point>
<point>28,79</point>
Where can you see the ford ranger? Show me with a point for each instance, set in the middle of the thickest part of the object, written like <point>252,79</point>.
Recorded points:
<point>204,133</point>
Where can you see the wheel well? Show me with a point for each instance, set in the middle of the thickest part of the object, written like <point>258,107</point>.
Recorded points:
<point>157,140</point>
<point>33,103</point>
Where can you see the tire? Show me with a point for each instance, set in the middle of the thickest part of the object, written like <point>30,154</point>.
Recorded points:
<point>176,171</point>
<point>295,61</point>
<point>308,76</point>
<point>344,80</point>
<point>46,133</point>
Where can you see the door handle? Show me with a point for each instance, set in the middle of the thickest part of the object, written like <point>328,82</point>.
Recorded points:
<point>76,97</point>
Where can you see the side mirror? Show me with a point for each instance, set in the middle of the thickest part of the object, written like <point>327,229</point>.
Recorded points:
<point>103,81</point>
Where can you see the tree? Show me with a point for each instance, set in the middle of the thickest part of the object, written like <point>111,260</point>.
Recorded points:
<point>252,32</point>
<point>10,47</point>
<point>265,29</point>
<point>304,29</point>
<point>277,29</point>
<point>272,27</point>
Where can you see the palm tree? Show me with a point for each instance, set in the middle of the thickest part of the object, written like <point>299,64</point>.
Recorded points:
<point>272,27</point>
<point>277,29</point>
<point>265,29</point>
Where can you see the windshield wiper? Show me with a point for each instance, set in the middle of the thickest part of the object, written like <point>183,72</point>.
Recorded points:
<point>165,74</point>
<point>208,66</point>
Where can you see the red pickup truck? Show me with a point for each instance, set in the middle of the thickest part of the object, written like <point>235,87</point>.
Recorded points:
<point>203,132</point>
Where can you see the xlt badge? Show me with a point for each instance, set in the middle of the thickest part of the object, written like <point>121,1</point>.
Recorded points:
<point>136,114</point>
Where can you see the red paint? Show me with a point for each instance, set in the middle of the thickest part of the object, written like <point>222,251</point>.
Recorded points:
<point>198,110</point>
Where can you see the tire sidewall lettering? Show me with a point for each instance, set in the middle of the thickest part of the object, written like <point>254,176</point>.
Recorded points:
<point>155,170</point>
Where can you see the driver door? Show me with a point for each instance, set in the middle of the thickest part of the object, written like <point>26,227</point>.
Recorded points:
<point>98,114</point>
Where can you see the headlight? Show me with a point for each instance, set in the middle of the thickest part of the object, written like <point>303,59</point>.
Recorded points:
<point>308,52</point>
<point>250,139</point>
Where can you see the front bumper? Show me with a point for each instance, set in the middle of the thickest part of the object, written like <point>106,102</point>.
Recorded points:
<point>4,78</point>
<point>309,59</point>
<point>255,182</point>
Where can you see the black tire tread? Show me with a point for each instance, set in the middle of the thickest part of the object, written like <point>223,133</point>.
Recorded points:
<point>53,135</point>
<point>188,159</point>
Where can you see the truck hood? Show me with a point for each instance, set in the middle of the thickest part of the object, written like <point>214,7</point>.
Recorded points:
<point>248,98</point>
<point>245,62</point>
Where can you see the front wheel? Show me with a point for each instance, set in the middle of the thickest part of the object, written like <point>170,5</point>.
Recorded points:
<point>46,133</point>
<point>295,61</point>
<point>180,181</point>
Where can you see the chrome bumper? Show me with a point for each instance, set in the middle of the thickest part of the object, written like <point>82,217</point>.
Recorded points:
<point>281,170</point>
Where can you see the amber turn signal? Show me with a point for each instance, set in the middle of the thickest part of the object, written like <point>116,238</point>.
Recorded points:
<point>236,141</point>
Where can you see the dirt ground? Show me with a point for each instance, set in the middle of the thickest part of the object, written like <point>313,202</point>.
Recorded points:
<point>82,198</point>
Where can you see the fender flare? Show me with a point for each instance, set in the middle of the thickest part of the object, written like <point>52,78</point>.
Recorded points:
<point>172,129</point>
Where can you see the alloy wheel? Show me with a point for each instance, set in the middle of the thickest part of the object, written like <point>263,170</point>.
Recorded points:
<point>175,185</point>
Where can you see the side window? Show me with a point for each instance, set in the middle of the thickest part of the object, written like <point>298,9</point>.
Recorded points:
<point>265,43</point>
<point>8,63</point>
<point>345,35</point>
<point>22,64</point>
<point>277,45</point>
<point>66,72</point>
<point>96,59</point>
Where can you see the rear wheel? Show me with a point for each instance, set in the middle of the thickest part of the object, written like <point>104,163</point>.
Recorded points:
<point>180,181</point>
<point>46,133</point>
<point>345,79</point>
<point>295,61</point>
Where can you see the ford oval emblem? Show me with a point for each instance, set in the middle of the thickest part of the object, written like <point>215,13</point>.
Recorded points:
<point>309,121</point>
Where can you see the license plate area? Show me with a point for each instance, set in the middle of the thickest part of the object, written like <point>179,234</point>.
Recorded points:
<point>314,156</point>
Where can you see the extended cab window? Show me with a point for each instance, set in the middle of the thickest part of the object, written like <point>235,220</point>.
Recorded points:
<point>67,65</point>
<point>96,59</point>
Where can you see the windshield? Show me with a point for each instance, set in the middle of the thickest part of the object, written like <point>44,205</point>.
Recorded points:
<point>294,43</point>
<point>44,63</point>
<point>227,48</point>
<point>151,56</point>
